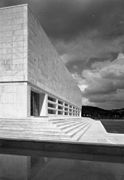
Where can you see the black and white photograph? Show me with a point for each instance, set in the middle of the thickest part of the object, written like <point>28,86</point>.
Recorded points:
<point>61,89</point>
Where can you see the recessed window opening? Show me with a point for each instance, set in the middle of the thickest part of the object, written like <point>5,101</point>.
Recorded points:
<point>66,109</point>
<point>51,105</point>
<point>60,107</point>
<point>60,112</point>
<point>51,111</point>
<point>37,100</point>
<point>51,99</point>
<point>66,113</point>
<point>60,102</point>
<point>35,104</point>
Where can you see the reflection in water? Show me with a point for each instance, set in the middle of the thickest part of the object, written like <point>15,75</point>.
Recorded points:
<point>13,167</point>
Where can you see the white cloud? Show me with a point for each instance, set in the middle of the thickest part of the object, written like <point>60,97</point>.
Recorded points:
<point>103,85</point>
<point>87,46</point>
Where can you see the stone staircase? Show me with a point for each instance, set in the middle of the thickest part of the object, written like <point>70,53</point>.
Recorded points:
<point>51,129</point>
<point>73,127</point>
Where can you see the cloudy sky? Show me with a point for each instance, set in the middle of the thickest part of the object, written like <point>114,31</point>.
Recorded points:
<point>89,36</point>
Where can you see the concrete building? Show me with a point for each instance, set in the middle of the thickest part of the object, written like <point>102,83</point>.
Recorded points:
<point>35,82</point>
<point>33,79</point>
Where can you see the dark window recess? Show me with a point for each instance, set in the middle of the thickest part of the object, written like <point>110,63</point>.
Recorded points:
<point>51,111</point>
<point>60,102</point>
<point>60,112</point>
<point>51,105</point>
<point>60,107</point>
<point>51,99</point>
<point>35,104</point>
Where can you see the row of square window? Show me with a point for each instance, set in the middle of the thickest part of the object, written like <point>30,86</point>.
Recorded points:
<point>59,107</point>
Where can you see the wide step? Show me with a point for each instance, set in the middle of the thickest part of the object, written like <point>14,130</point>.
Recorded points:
<point>65,129</point>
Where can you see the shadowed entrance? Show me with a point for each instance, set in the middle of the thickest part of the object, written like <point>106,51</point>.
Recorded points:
<point>35,104</point>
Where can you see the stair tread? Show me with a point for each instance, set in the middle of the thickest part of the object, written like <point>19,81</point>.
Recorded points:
<point>81,133</point>
<point>70,129</point>
<point>76,130</point>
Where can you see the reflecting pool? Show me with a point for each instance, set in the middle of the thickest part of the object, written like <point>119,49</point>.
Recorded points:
<point>16,167</point>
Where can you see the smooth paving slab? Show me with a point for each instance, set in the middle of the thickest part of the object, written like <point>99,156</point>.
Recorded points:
<point>43,128</point>
<point>70,129</point>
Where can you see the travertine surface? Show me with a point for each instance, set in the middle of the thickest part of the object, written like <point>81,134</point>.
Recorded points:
<point>13,100</point>
<point>45,68</point>
<point>69,129</point>
<point>28,59</point>
<point>13,43</point>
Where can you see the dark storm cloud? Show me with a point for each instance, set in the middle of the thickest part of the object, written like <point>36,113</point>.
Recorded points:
<point>108,101</point>
<point>63,19</point>
<point>89,35</point>
<point>78,65</point>
<point>66,19</point>
<point>103,88</point>
<point>104,83</point>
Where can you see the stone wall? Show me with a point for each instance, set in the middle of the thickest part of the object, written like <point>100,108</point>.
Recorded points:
<point>28,59</point>
<point>45,69</point>
<point>13,43</point>
<point>13,100</point>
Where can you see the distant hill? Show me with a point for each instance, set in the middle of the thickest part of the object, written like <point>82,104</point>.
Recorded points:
<point>99,113</point>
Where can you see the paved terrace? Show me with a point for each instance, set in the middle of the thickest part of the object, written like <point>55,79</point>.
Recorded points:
<point>70,129</point>
<point>80,138</point>
<point>51,129</point>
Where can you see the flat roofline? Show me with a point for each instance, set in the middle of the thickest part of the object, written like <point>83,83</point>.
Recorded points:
<point>69,150</point>
<point>7,7</point>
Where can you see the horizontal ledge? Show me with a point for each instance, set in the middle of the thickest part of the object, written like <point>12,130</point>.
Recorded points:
<point>69,150</point>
